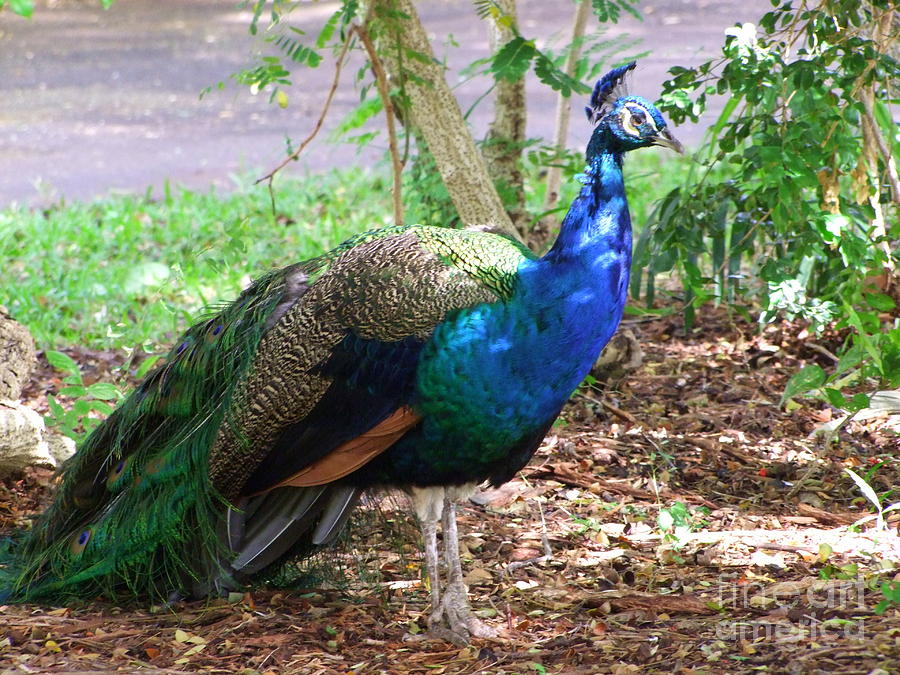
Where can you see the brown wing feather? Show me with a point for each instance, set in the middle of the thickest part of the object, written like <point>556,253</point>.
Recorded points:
<point>349,456</point>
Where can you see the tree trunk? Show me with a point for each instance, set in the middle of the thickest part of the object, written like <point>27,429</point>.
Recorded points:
<point>506,137</point>
<point>434,111</point>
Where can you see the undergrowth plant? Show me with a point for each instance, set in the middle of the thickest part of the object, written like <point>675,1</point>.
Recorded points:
<point>91,402</point>
<point>793,203</point>
<point>675,522</point>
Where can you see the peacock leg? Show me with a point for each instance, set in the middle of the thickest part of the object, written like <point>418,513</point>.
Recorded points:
<point>455,605</point>
<point>429,534</point>
<point>451,617</point>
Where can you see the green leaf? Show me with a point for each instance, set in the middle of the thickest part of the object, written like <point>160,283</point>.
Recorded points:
<point>858,402</point>
<point>62,362</point>
<point>555,78</point>
<point>512,60</point>
<point>880,301</point>
<point>849,359</point>
<point>610,10</point>
<point>81,407</point>
<point>328,30</point>
<point>21,7</point>
<point>73,392</point>
<point>835,397</point>
<point>101,407</point>
<point>486,8</point>
<point>357,117</point>
<point>807,378</point>
<point>104,391</point>
<point>55,408</point>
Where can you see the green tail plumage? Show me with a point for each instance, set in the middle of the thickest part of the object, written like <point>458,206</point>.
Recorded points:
<point>135,503</point>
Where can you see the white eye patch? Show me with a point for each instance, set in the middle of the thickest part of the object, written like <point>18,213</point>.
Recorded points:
<point>634,116</point>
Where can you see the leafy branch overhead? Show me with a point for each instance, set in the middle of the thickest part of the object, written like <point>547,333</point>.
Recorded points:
<point>514,59</point>
<point>510,62</point>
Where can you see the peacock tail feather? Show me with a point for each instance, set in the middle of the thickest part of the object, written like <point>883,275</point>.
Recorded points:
<point>135,501</point>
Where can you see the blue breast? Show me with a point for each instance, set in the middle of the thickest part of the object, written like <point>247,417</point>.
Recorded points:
<point>493,376</point>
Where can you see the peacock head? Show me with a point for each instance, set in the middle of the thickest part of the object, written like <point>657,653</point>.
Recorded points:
<point>622,122</point>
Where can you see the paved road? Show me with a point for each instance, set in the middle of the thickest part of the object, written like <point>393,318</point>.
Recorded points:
<point>93,101</point>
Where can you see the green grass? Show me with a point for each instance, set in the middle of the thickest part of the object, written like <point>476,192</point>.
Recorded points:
<point>134,271</point>
<point>127,271</point>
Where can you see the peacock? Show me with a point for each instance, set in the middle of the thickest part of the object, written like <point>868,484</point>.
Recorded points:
<point>415,357</point>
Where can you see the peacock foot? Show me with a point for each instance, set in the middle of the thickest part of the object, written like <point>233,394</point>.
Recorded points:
<point>452,620</point>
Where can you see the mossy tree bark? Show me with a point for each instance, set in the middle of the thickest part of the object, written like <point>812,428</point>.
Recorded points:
<point>435,113</point>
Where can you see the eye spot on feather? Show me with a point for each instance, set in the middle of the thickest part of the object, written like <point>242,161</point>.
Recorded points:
<point>117,472</point>
<point>80,541</point>
<point>218,329</point>
<point>181,348</point>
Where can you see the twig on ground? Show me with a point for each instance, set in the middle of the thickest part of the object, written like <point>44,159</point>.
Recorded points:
<point>545,541</point>
<point>772,546</point>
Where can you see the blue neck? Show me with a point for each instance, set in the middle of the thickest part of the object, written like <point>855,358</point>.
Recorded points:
<point>496,372</point>
<point>577,290</point>
<point>597,222</point>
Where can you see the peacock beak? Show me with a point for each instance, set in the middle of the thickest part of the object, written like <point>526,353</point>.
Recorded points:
<point>665,139</point>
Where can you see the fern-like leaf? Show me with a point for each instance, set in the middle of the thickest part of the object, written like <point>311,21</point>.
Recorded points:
<point>611,10</point>
<point>512,60</point>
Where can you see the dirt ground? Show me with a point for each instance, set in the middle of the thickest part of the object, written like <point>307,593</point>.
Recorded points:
<point>765,572</point>
<point>93,101</point>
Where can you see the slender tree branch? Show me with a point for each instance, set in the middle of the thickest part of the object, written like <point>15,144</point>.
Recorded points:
<point>564,105</point>
<point>318,126</point>
<point>382,81</point>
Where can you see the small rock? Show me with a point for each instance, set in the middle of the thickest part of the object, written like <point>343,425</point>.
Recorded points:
<point>17,356</point>
<point>622,355</point>
<point>25,441</point>
<point>61,447</point>
<point>22,441</point>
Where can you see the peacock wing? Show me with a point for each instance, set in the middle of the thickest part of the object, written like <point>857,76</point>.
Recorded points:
<point>341,361</point>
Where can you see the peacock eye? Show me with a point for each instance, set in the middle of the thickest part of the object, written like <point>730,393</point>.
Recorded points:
<point>80,542</point>
<point>638,118</point>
